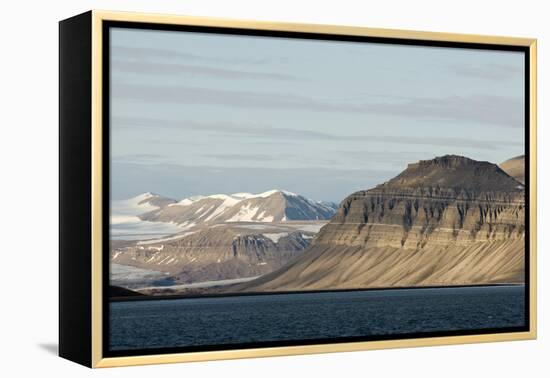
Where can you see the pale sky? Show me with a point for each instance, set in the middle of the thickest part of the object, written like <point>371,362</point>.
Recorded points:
<point>196,113</point>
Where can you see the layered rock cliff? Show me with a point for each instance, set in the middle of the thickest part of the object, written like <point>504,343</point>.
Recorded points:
<point>446,221</point>
<point>217,253</point>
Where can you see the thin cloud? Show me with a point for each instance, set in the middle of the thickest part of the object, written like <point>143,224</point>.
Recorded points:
<point>296,159</point>
<point>140,158</point>
<point>242,157</point>
<point>257,130</point>
<point>182,94</point>
<point>283,133</point>
<point>152,53</point>
<point>488,109</point>
<point>162,68</point>
<point>180,181</point>
<point>493,71</point>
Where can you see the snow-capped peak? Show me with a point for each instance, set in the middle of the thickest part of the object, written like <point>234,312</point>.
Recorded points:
<point>286,192</point>
<point>221,196</point>
<point>233,197</point>
<point>269,193</point>
<point>275,191</point>
<point>143,196</point>
<point>266,194</point>
<point>237,197</point>
<point>269,206</point>
<point>188,201</point>
<point>135,205</point>
<point>243,195</point>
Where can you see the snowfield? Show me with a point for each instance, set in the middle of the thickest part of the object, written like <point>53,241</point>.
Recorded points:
<point>126,273</point>
<point>133,206</point>
<point>275,237</point>
<point>142,230</point>
<point>163,240</point>
<point>245,214</point>
<point>139,218</point>
<point>126,225</point>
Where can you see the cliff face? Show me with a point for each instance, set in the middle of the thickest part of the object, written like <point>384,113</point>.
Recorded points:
<point>446,221</point>
<point>415,218</point>
<point>219,253</point>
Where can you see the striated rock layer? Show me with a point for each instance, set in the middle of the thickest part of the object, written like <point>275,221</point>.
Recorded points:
<point>446,221</point>
<point>216,253</point>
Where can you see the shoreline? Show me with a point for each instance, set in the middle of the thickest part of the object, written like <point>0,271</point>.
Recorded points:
<point>256,293</point>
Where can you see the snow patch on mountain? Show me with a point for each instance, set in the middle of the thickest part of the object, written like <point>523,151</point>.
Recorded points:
<point>228,203</point>
<point>127,225</point>
<point>275,237</point>
<point>134,206</point>
<point>187,201</point>
<point>245,214</point>
<point>152,214</point>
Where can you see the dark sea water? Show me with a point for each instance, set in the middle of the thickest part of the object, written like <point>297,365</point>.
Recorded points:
<point>261,318</point>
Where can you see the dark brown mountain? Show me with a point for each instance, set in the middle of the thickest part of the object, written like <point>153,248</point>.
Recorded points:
<point>446,221</point>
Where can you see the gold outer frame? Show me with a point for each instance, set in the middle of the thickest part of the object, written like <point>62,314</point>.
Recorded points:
<point>97,256</point>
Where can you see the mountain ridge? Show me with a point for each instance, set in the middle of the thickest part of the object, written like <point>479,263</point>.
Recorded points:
<point>215,237</point>
<point>270,206</point>
<point>453,171</point>
<point>418,229</point>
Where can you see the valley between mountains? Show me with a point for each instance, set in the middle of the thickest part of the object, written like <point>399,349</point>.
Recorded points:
<point>446,221</point>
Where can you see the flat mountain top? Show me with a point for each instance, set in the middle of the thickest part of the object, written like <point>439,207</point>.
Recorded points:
<point>140,204</point>
<point>515,167</point>
<point>446,221</point>
<point>454,172</point>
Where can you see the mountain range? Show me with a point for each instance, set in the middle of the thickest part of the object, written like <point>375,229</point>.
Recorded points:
<point>270,206</point>
<point>212,238</point>
<point>446,221</point>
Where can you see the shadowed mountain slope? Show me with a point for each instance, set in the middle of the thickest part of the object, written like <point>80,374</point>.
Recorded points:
<point>446,221</point>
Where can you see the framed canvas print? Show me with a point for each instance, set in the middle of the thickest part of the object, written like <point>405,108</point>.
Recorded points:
<point>235,189</point>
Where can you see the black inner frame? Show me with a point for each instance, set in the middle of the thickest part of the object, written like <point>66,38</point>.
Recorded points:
<point>106,156</point>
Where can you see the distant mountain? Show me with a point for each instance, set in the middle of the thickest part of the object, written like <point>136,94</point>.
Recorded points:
<point>219,252</point>
<point>140,204</point>
<point>446,221</point>
<point>515,167</point>
<point>331,205</point>
<point>211,238</point>
<point>453,172</point>
<point>270,206</point>
<point>125,221</point>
